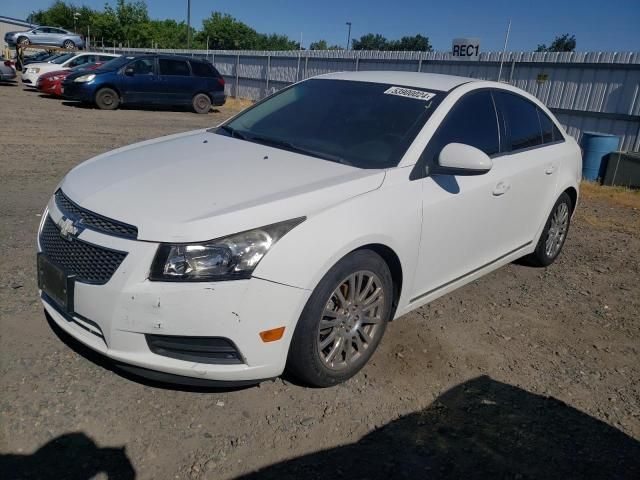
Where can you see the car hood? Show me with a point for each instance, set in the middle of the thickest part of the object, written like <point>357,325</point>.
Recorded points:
<point>200,185</point>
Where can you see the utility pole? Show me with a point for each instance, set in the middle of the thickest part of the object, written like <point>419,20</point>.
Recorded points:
<point>349,35</point>
<point>504,50</point>
<point>188,24</point>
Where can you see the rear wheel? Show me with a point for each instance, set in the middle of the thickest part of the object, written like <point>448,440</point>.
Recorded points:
<point>69,44</point>
<point>107,99</point>
<point>201,103</point>
<point>343,321</point>
<point>23,41</point>
<point>554,233</point>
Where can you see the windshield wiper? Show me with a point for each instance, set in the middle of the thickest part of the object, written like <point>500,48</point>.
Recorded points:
<point>276,142</point>
<point>232,132</point>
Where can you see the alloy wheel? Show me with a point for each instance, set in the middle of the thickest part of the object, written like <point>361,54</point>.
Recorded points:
<point>557,230</point>
<point>351,320</point>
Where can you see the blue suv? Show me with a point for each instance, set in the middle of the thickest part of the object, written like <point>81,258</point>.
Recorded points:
<point>153,80</point>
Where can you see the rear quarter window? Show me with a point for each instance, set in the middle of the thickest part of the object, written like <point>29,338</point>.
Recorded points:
<point>550,132</point>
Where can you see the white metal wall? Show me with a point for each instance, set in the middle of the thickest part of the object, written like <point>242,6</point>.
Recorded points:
<point>588,91</point>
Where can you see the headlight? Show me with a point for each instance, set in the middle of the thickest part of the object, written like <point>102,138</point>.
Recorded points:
<point>228,258</point>
<point>85,78</point>
<point>33,70</point>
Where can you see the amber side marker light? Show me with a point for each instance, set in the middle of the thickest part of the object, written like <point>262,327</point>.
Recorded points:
<point>272,335</point>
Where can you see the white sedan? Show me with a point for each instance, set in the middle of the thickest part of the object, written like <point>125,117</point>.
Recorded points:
<point>292,234</point>
<point>32,71</point>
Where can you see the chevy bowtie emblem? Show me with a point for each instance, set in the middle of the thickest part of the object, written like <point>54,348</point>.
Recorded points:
<point>68,228</point>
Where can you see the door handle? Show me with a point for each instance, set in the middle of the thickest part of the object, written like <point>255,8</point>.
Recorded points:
<point>551,168</point>
<point>501,188</point>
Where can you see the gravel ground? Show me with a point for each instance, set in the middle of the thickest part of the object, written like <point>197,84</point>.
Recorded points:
<point>526,373</point>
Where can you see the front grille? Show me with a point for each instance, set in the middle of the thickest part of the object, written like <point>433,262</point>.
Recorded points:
<point>88,262</point>
<point>95,221</point>
<point>212,350</point>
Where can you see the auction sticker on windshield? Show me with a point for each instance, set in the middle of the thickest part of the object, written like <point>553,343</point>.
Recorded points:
<point>410,93</point>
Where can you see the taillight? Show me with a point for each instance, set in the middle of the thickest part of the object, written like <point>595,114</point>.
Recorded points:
<point>8,63</point>
<point>221,81</point>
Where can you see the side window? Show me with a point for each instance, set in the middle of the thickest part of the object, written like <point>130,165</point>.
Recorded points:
<point>41,30</point>
<point>522,121</point>
<point>471,121</point>
<point>201,69</point>
<point>550,132</point>
<point>81,60</point>
<point>144,66</point>
<point>56,30</point>
<point>173,67</point>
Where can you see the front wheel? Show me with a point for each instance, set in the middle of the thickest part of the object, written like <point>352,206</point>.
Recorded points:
<point>107,99</point>
<point>554,234</point>
<point>68,44</point>
<point>201,103</point>
<point>343,321</point>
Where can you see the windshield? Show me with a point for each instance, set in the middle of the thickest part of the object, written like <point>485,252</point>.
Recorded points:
<point>63,58</point>
<point>116,63</point>
<point>366,125</point>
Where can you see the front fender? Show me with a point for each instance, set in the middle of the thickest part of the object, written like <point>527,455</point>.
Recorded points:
<point>390,215</point>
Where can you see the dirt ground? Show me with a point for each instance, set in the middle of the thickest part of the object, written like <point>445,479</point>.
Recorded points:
<point>526,373</point>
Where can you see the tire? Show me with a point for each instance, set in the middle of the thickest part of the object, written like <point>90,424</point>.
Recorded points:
<point>68,44</point>
<point>23,41</point>
<point>107,99</point>
<point>329,346</point>
<point>554,233</point>
<point>201,103</point>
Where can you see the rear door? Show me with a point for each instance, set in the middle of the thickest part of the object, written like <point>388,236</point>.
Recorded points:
<point>177,82</point>
<point>141,84</point>
<point>530,162</point>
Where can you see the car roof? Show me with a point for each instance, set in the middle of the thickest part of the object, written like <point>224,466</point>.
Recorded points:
<point>431,81</point>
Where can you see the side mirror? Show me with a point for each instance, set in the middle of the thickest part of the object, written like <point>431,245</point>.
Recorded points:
<point>461,159</point>
<point>129,71</point>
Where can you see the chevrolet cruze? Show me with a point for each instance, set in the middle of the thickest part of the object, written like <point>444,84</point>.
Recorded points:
<point>291,235</point>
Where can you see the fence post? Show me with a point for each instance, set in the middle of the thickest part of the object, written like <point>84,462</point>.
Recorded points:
<point>268,71</point>
<point>237,75</point>
<point>306,64</point>
<point>420,65</point>
<point>513,64</point>
<point>357,62</point>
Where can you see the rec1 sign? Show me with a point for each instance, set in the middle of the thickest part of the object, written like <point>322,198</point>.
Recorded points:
<point>466,48</point>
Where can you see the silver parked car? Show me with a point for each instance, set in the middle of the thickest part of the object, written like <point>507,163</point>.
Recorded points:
<point>45,36</point>
<point>7,70</point>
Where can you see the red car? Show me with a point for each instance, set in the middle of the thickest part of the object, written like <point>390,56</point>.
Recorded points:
<point>51,82</point>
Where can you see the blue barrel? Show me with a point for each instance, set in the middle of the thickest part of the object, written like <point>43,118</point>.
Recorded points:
<point>596,147</point>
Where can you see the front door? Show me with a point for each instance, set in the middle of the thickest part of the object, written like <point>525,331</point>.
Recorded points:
<point>462,215</point>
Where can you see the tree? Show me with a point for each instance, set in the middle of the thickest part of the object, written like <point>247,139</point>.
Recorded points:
<point>562,43</point>
<point>370,41</point>
<point>322,45</point>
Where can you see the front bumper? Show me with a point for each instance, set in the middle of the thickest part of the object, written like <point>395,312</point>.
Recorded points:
<point>115,318</point>
<point>83,92</point>
<point>30,79</point>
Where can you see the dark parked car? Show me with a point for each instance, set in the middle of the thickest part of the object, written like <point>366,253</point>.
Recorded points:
<point>149,80</point>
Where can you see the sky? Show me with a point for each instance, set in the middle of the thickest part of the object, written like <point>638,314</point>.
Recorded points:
<point>599,25</point>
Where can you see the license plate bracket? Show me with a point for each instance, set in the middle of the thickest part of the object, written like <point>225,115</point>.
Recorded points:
<point>55,283</point>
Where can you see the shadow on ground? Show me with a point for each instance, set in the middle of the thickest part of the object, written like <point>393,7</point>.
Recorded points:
<point>479,429</point>
<point>72,456</point>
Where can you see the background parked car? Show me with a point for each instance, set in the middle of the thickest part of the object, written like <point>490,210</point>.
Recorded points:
<point>39,57</point>
<point>45,36</point>
<point>149,80</point>
<point>32,72</point>
<point>51,82</point>
<point>7,70</point>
